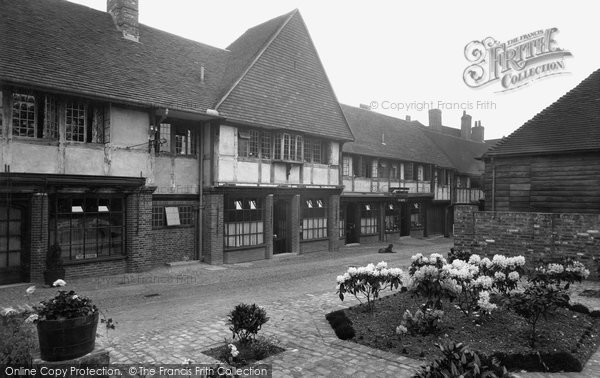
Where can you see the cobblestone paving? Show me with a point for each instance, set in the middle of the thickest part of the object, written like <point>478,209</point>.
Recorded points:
<point>179,321</point>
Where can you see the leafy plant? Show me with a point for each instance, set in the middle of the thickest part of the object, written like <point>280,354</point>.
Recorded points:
<point>368,281</point>
<point>460,361</point>
<point>65,305</point>
<point>425,321</point>
<point>428,280</point>
<point>17,338</point>
<point>238,354</point>
<point>245,321</point>
<point>341,325</point>
<point>458,254</point>
<point>536,302</point>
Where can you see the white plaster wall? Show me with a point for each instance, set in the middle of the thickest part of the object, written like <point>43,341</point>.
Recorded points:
<point>334,156</point>
<point>320,175</point>
<point>84,160</point>
<point>128,127</point>
<point>30,158</point>
<point>247,171</point>
<point>265,173</point>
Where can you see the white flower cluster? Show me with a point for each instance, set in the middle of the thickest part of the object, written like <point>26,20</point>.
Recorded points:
<point>578,267</point>
<point>461,270</point>
<point>379,270</point>
<point>233,350</point>
<point>484,302</point>
<point>504,262</point>
<point>401,330</point>
<point>432,259</point>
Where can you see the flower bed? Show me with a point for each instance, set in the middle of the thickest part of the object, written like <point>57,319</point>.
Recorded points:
<point>572,335</point>
<point>472,306</point>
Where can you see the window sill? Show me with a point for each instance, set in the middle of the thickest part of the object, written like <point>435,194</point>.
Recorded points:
<point>173,227</point>
<point>313,240</point>
<point>94,260</point>
<point>174,155</point>
<point>235,249</point>
<point>39,141</point>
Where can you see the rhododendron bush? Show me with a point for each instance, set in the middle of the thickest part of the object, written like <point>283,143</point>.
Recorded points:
<point>368,281</point>
<point>468,282</point>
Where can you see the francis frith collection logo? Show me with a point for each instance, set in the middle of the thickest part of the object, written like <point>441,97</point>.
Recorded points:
<point>515,63</point>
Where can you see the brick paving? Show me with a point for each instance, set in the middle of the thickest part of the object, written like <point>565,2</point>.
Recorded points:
<point>169,320</point>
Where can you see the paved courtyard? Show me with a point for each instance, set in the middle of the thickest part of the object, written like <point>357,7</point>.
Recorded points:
<point>174,313</point>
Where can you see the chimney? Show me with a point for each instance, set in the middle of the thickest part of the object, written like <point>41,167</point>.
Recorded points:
<point>365,107</point>
<point>435,119</point>
<point>408,118</point>
<point>477,132</point>
<point>125,15</point>
<point>465,126</point>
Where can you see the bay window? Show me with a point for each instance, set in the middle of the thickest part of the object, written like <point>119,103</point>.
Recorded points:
<point>314,219</point>
<point>369,219</point>
<point>244,225</point>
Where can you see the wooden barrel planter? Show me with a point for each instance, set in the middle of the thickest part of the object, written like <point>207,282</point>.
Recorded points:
<point>66,339</point>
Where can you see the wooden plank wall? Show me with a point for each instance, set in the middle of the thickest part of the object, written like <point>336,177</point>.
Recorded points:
<point>566,183</point>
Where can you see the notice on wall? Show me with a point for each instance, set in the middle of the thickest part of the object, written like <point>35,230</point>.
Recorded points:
<point>172,214</point>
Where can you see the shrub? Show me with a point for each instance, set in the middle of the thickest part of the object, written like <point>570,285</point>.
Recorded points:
<point>342,326</point>
<point>368,281</point>
<point>424,322</point>
<point>578,307</point>
<point>467,282</point>
<point>536,302</point>
<point>238,354</point>
<point>458,254</point>
<point>246,320</point>
<point>427,280</point>
<point>460,361</point>
<point>18,338</point>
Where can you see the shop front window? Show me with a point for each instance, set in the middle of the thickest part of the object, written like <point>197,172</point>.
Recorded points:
<point>87,227</point>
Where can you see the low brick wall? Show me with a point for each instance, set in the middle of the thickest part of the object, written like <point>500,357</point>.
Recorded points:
<point>533,235</point>
<point>95,268</point>
<point>309,246</point>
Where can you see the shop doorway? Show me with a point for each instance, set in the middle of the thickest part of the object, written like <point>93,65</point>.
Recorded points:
<point>281,226</point>
<point>14,264</point>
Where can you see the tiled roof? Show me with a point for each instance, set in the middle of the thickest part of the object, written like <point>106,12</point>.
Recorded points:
<point>570,124</point>
<point>461,152</point>
<point>284,84</point>
<point>269,77</point>
<point>62,46</point>
<point>404,140</point>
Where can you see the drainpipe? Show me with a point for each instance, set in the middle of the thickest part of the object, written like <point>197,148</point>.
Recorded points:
<point>493,185</point>
<point>200,192</point>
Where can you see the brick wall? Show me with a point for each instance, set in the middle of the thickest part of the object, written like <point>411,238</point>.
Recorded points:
<point>533,235</point>
<point>213,229</point>
<point>295,224</point>
<point>139,244</point>
<point>39,235</point>
<point>96,268</point>
<point>175,243</point>
<point>333,222</point>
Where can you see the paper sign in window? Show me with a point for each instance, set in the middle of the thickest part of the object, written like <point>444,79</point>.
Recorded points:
<point>172,214</point>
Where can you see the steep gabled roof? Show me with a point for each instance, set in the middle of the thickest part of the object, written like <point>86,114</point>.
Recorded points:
<point>282,83</point>
<point>461,152</point>
<point>570,124</point>
<point>61,46</point>
<point>404,140</point>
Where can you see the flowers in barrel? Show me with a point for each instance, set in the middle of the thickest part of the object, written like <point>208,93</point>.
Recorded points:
<point>65,305</point>
<point>64,318</point>
<point>368,281</point>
